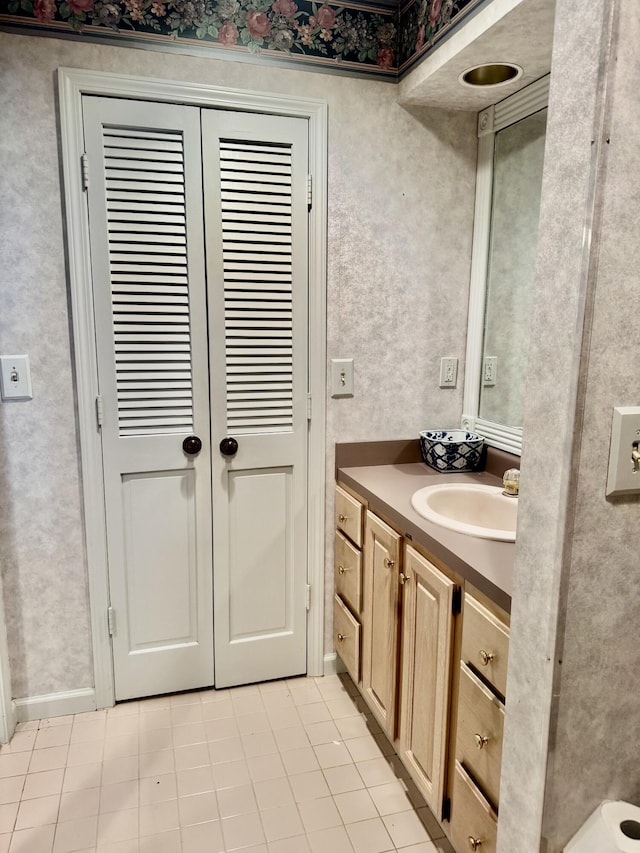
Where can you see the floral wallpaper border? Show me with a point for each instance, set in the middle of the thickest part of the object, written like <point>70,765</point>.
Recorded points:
<point>352,37</point>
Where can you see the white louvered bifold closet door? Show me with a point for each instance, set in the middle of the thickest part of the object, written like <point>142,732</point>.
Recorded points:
<point>255,175</point>
<point>147,248</point>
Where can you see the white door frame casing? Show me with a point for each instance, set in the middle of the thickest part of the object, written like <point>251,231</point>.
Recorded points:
<point>72,85</point>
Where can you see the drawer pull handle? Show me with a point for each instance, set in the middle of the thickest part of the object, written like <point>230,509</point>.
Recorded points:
<point>342,518</point>
<point>342,570</point>
<point>404,578</point>
<point>342,637</point>
<point>486,657</point>
<point>389,564</point>
<point>481,740</point>
<point>475,843</point>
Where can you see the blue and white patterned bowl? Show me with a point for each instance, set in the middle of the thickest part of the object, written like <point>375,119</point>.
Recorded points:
<point>451,450</point>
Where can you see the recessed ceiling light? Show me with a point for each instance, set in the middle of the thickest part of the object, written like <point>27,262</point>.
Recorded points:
<point>491,74</point>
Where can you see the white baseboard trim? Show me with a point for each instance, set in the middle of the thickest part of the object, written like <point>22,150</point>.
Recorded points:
<point>55,704</point>
<point>333,665</point>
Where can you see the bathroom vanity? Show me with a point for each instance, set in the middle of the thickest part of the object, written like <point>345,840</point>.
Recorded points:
<point>421,623</point>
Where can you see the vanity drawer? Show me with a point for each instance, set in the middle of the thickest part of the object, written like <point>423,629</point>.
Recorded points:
<point>349,514</point>
<point>348,572</point>
<point>485,643</point>
<point>479,732</point>
<point>346,638</point>
<point>474,824</point>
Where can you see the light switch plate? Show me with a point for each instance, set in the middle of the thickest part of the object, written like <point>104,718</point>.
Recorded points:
<point>342,377</point>
<point>625,435</point>
<point>15,377</point>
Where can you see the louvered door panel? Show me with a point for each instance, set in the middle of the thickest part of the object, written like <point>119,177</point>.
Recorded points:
<point>256,208</point>
<point>147,253</point>
<point>255,177</point>
<point>147,245</point>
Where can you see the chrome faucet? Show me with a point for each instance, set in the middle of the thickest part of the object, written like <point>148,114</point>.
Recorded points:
<point>511,482</point>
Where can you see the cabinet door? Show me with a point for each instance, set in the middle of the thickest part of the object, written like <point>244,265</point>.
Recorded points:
<point>380,620</point>
<point>427,637</point>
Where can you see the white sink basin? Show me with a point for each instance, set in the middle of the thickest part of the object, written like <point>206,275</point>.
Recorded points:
<point>469,508</point>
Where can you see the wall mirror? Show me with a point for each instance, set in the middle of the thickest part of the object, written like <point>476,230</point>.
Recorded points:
<point>511,139</point>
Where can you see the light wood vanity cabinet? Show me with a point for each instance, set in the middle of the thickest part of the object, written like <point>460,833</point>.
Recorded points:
<point>397,628</point>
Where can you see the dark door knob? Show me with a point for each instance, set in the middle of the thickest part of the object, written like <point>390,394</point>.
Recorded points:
<point>192,445</point>
<point>228,446</point>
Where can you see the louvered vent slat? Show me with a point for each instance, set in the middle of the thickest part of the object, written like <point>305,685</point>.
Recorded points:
<point>146,226</point>
<point>245,206</point>
<point>150,237</point>
<point>141,213</point>
<point>131,281</point>
<point>138,301</point>
<point>283,371</point>
<point>142,269</point>
<point>240,220</point>
<point>140,329</point>
<point>120,198</point>
<point>253,275</point>
<point>144,381</point>
<point>128,154</point>
<point>165,235</point>
<point>171,162</point>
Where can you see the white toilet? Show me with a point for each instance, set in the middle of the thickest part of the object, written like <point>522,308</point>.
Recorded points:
<point>614,827</point>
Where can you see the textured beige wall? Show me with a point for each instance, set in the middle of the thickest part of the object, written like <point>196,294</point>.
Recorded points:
<point>595,752</point>
<point>399,242</point>
<point>574,671</point>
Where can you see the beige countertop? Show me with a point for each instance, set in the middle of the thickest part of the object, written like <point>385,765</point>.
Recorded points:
<point>485,563</point>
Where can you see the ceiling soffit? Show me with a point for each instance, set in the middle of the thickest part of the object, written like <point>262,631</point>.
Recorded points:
<point>519,32</point>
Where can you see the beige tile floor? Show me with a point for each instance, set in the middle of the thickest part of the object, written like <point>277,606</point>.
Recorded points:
<point>294,766</point>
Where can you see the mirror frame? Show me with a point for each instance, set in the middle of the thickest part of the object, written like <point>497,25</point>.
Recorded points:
<point>527,101</point>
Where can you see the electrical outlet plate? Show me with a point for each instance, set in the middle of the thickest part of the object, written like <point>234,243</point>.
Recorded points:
<point>342,377</point>
<point>15,377</point>
<point>625,435</point>
<point>489,370</point>
<point>448,372</point>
